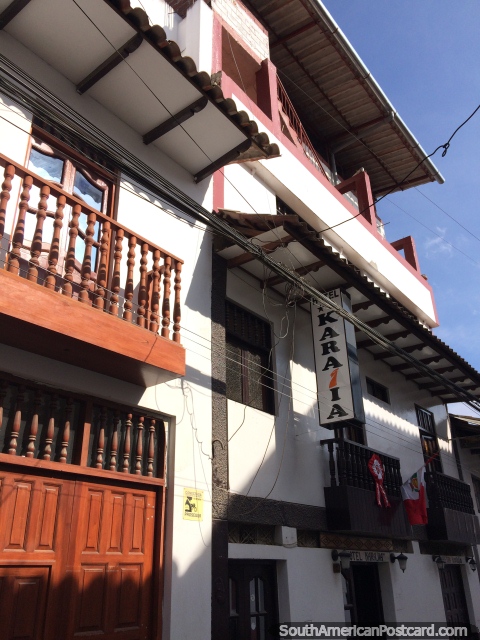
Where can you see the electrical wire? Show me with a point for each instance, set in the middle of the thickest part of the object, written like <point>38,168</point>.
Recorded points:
<point>72,121</point>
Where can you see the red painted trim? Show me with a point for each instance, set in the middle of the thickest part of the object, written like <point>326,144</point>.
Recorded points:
<point>408,246</point>
<point>218,190</point>
<point>229,87</point>
<point>360,183</point>
<point>267,92</point>
<point>217,45</point>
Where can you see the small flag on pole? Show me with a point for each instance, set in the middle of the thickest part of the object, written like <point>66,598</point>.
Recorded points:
<point>414,497</point>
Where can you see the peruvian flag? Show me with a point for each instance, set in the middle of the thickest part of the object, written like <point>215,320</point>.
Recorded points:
<point>414,497</point>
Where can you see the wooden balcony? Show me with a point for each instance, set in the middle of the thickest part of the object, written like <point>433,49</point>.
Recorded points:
<point>451,515</point>
<point>84,289</point>
<point>350,498</point>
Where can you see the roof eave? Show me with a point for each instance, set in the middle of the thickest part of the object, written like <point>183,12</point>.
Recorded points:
<point>368,78</point>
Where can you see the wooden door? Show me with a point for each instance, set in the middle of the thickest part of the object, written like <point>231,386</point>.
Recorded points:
<point>253,599</point>
<point>453,594</point>
<point>76,559</point>
<point>110,563</point>
<point>35,515</point>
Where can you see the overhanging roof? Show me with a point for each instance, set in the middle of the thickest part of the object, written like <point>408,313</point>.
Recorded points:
<point>336,96</point>
<point>109,49</point>
<point>298,245</point>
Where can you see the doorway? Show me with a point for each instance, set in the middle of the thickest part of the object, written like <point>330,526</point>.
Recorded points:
<point>453,594</point>
<point>362,594</point>
<point>253,599</point>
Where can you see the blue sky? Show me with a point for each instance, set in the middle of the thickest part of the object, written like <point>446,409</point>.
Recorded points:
<point>426,57</point>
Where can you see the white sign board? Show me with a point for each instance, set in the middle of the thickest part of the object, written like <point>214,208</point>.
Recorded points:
<point>334,389</point>
<point>369,556</point>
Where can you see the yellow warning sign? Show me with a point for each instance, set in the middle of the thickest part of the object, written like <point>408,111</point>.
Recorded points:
<point>193,504</point>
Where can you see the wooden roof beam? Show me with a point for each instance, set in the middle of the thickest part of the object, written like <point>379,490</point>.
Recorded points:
<point>415,347</point>
<point>363,344</point>
<point>302,271</point>
<point>243,258</point>
<point>407,365</point>
<point>292,34</point>
<point>11,11</point>
<point>230,156</point>
<point>362,306</point>
<point>176,120</point>
<point>109,64</point>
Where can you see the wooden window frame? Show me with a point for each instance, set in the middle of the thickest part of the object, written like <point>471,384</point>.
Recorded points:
<point>374,388</point>
<point>246,347</point>
<point>428,433</point>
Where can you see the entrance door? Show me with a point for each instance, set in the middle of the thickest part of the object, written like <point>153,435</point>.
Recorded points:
<point>362,595</point>
<point>76,559</point>
<point>253,599</point>
<point>453,594</point>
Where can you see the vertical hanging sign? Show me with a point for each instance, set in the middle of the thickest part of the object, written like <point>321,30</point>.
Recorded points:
<point>338,380</point>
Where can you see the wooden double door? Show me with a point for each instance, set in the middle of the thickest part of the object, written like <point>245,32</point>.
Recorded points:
<point>453,594</point>
<point>76,558</point>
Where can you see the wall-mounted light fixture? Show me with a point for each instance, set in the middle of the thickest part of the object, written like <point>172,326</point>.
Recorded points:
<point>439,561</point>
<point>402,560</point>
<point>344,557</point>
<point>471,562</point>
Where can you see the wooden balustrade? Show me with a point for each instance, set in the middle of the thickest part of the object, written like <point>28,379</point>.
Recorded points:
<point>38,423</point>
<point>96,279</point>
<point>448,493</point>
<point>348,465</point>
<point>132,443</point>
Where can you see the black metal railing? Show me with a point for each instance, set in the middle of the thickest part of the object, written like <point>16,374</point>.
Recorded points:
<point>449,493</point>
<point>348,463</point>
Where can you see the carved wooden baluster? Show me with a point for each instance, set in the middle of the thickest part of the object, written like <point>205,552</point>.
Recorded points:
<point>87,258</point>
<point>101,438</point>
<point>155,304</point>
<point>331,465</point>
<point>99,298</point>
<point>36,247</point>
<point>66,431</point>
<point>342,476</point>
<point>142,290</point>
<point>348,464</point>
<point>161,449</point>
<point>55,246</point>
<point>151,447</point>
<point>3,393</point>
<point>127,307</point>
<point>32,436</point>
<point>126,446</point>
<point>117,259</point>
<point>47,451</point>
<point>177,312</point>
<point>139,451</point>
<point>355,479</point>
<point>114,445</point>
<point>70,260</point>
<point>17,242</point>
<point>166,298</point>
<point>17,421</point>
<point>9,174</point>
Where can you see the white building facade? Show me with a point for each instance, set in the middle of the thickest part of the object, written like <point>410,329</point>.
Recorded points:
<point>167,468</point>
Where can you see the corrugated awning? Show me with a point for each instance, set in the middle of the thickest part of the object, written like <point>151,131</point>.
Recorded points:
<point>340,104</point>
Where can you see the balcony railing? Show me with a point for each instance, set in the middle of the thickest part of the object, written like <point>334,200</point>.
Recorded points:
<point>348,463</point>
<point>296,124</point>
<point>449,493</point>
<point>350,499</point>
<point>93,258</point>
<point>53,428</point>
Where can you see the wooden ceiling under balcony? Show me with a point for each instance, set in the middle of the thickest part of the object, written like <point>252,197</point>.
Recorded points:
<point>297,245</point>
